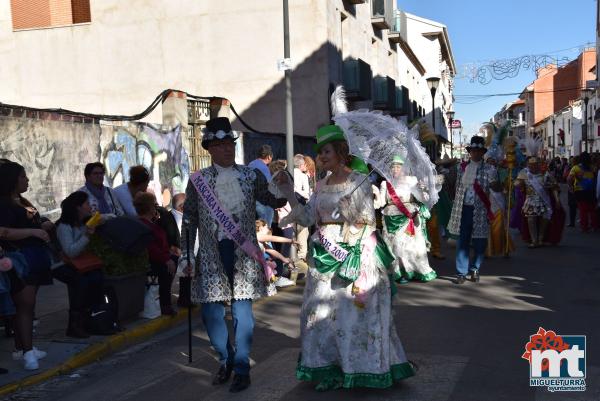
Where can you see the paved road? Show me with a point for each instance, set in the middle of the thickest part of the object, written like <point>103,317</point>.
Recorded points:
<point>467,340</point>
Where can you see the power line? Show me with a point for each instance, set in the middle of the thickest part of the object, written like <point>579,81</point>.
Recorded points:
<point>474,97</point>
<point>135,117</point>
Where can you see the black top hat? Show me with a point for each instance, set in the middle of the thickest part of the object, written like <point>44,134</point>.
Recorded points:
<point>477,142</point>
<point>217,129</point>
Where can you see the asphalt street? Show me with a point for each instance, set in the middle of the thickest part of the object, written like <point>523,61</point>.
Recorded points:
<point>466,340</point>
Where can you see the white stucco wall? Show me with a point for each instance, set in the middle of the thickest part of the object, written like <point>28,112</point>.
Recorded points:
<point>428,50</point>
<point>132,50</point>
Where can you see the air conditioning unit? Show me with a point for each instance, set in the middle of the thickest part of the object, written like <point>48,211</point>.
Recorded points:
<point>358,79</point>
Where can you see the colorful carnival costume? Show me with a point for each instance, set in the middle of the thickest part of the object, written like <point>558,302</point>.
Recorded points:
<point>405,231</point>
<point>541,205</point>
<point>348,333</point>
<point>471,211</point>
<point>499,241</point>
<point>225,271</point>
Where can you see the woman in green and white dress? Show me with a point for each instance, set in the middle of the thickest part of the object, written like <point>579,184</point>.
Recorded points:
<point>349,338</point>
<point>407,239</point>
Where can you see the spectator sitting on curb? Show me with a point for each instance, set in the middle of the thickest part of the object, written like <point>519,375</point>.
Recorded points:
<point>265,239</point>
<point>85,289</point>
<point>162,261</point>
<point>139,177</point>
<point>102,198</point>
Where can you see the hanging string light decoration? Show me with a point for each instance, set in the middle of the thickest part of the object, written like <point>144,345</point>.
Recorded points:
<point>508,68</point>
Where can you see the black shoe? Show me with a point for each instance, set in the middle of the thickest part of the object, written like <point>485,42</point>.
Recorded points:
<point>223,375</point>
<point>475,276</point>
<point>459,280</point>
<point>240,383</point>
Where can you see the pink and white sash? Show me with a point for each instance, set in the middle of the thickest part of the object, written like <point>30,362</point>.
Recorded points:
<point>229,226</point>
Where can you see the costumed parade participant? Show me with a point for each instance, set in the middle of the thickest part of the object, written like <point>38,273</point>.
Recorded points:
<point>500,242</point>
<point>471,211</point>
<point>348,295</point>
<point>440,213</point>
<point>220,204</point>
<point>428,137</point>
<point>539,206</point>
<point>404,225</point>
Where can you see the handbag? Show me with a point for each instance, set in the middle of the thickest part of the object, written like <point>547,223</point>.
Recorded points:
<point>151,300</point>
<point>84,262</point>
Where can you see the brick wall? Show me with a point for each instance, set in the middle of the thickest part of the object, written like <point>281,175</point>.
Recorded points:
<point>555,88</point>
<point>30,13</point>
<point>27,14</point>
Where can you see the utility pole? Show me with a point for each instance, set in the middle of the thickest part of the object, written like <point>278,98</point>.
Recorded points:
<point>289,122</point>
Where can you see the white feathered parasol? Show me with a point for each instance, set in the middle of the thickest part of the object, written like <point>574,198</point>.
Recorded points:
<point>377,139</point>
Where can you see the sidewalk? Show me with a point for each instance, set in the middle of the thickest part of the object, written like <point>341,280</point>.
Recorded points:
<point>65,353</point>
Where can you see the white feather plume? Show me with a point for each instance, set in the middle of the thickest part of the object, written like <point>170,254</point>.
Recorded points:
<point>338,101</point>
<point>532,144</point>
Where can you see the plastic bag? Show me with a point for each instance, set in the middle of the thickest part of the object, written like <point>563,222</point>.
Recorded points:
<point>151,300</point>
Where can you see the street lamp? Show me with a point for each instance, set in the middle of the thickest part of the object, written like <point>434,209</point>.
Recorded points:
<point>433,83</point>
<point>450,115</point>
<point>585,94</point>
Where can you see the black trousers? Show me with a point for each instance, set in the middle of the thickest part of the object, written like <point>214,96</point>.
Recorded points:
<point>85,289</point>
<point>165,281</point>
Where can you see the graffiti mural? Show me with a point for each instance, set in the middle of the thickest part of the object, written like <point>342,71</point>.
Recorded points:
<point>54,154</point>
<point>161,152</point>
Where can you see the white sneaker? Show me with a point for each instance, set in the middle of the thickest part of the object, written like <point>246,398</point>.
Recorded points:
<point>17,355</point>
<point>30,362</point>
<point>282,282</point>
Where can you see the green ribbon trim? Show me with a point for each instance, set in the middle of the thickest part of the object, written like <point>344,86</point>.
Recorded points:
<point>432,275</point>
<point>334,374</point>
<point>349,269</point>
<point>394,223</point>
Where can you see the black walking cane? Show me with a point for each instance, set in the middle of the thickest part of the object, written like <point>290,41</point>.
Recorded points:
<point>189,294</point>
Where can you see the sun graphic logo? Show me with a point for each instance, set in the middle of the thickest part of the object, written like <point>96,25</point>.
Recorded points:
<point>556,361</point>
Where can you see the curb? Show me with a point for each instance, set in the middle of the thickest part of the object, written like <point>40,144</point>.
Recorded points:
<point>100,350</point>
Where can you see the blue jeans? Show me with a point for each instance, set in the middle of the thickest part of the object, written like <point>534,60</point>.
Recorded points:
<point>213,317</point>
<point>464,244</point>
<point>265,212</point>
<point>238,354</point>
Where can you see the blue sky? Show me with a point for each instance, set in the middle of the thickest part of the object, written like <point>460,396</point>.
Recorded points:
<point>482,30</point>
